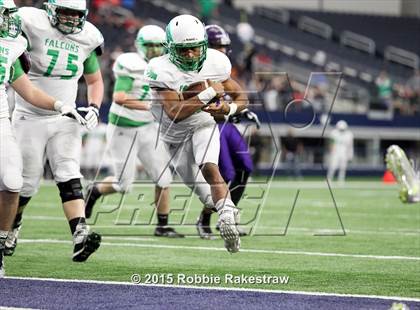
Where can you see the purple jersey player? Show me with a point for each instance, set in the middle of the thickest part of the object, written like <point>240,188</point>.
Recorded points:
<point>235,162</point>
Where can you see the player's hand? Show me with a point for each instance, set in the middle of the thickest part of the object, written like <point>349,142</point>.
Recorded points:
<point>247,114</point>
<point>90,114</point>
<point>221,107</point>
<point>218,87</point>
<point>69,111</point>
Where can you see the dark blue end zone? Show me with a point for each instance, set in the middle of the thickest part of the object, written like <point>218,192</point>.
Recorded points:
<point>42,294</point>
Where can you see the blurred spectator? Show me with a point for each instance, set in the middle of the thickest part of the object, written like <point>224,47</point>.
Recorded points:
<point>292,148</point>
<point>413,91</point>
<point>384,89</point>
<point>207,8</point>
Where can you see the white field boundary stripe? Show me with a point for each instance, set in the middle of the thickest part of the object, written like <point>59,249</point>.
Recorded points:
<point>183,247</point>
<point>14,308</point>
<point>286,184</point>
<point>403,232</point>
<point>238,289</point>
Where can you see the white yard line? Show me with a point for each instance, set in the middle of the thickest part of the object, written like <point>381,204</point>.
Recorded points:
<point>260,251</point>
<point>397,298</point>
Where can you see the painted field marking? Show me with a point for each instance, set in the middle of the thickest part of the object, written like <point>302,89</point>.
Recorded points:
<point>397,298</point>
<point>182,247</point>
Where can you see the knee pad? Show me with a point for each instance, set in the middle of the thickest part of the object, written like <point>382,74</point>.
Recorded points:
<point>12,183</point>
<point>70,190</point>
<point>165,179</point>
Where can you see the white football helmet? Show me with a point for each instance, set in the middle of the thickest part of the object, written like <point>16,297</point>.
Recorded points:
<point>341,125</point>
<point>183,33</point>
<point>10,25</point>
<point>150,41</point>
<point>68,16</point>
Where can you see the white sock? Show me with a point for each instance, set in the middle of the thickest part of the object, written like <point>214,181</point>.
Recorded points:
<point>224,203</point>
<point>3,237</point>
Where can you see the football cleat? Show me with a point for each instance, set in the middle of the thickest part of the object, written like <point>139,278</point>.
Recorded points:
<point>169,232</point>
<point>398,163</point>
<point>92,195</point>
<point>85,242</point>
<point>228,229</point>
<point>204,231</point>
<point>241,231</point>
<point>11,241</point>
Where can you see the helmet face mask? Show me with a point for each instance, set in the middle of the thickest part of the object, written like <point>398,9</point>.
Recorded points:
<point>150,41</point>
<point>186,42</point>
<point>10,25</point>
<point>67,16</point>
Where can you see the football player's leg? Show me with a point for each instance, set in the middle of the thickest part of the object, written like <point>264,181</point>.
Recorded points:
<point>31,136</point>
<point>226,167</point>
<point>332,165</point>
<point>206,147</point>
<point>242,162</point>
<point>156,161</point>
<point>10,184</point>
<point>63,152</point>
<point>182,158</point>
<point>342,168</point>
<point>398,163</point>
<point>122,145</point>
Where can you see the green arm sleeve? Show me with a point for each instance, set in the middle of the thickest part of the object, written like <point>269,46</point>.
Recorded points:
<point>16,72</point>
<point>123,83</point>
<point>91,64</point>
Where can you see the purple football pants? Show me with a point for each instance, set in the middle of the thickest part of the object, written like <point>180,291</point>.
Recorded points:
<point>234,155</point>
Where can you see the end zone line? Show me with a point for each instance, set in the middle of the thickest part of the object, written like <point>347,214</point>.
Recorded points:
<point>239,289</point>
<point>183,247</point>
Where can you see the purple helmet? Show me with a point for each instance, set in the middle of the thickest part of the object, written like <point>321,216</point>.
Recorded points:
<point>218,37</point>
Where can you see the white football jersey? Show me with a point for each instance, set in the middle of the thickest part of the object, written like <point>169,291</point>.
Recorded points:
<point>56,59</point>
<point>10,50</point>
<point>342,141</point>
<point>162,73</point>
<point>133,65</point>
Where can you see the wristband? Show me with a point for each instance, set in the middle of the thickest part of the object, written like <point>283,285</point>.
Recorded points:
<point>58,105</point>
<point>207,95</point>
<point>233,108</point>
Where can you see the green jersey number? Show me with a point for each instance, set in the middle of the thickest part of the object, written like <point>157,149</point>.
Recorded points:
<point>3,61</point>
<point>70,65</point>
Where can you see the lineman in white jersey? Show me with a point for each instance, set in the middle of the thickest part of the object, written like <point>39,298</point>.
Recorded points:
<point>63,46</point>
<point>12,47</point>
<point>190,133</point>
<point>133,132</point>
<point>341,150</point>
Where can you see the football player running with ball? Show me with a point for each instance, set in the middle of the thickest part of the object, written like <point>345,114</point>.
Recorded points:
<point>187,126</point>
<point>63,46</point>
<point>14,64</point>
<point>235,162</point>
<point>132,131</point>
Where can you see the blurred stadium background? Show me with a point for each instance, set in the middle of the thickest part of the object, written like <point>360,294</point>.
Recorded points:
<point>363,54</point>
<point>366,51</point>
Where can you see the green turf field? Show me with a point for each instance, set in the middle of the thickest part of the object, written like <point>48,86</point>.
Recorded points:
<point>380,253</point>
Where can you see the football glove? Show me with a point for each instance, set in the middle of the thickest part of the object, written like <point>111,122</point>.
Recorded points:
<point>90,115</point>
<point>69,111</point>
<point>245,114</point>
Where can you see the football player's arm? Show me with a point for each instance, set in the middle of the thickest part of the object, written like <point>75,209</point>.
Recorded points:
<point>238,104</point>
<point>176,108</point>
<point>93,78</point>
<point>122,86</point>
<point>24,87</point>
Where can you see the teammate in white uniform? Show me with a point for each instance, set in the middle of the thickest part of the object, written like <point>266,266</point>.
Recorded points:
<point>341,150</point>
<point>133,132</point>
<point>63,46</point>
<point>191,134</point>
<point>12,47</point>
